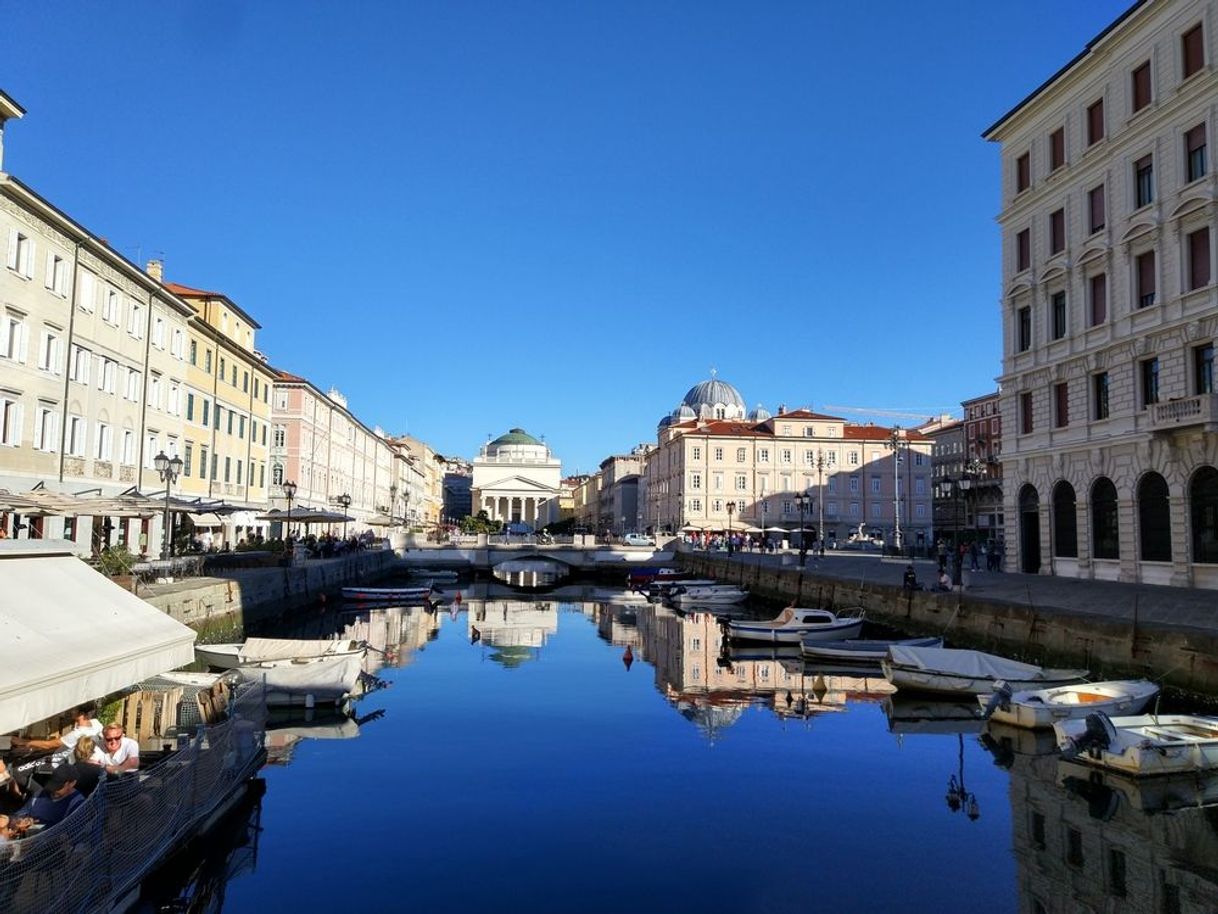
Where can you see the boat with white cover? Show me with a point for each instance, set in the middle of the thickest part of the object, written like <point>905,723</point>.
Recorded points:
<point>1043,707</point>
<point>382,594</point>
<point>258,650</point>
<point>433,574</point>
<point>795,624</point>
<point>719,594</point>
<point>308,681</point>
<point>1144,745</point>
<point>863,650</point>
<point>955,671</point>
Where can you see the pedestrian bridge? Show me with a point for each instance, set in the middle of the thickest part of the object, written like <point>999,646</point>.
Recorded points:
<point>577,558</point>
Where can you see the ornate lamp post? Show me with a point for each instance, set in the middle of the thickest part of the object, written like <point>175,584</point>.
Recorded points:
<point>344,502</point>
<point>731,507</point>
<point>289,492</point>
<point>393,501</point>
<point>169,469</point>
<point>802,500</point>
<point>820,505</point>
<point>895,442</point>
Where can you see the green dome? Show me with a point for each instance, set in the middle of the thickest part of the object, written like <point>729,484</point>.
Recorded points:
<point>516,436</point>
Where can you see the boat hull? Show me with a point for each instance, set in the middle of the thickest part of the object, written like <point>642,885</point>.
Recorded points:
<point>943,683</point>
<point>870,652</point>
<point>318,680</point>
<point>381,594</point>
<point>841,630</point>
<point>1042,708</point>
<point>1148,745</point>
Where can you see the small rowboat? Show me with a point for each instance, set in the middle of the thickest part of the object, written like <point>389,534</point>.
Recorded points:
<point>433,574</point>
<point>315,679</point>
<point>258,650</point>
<point>719,594</point>
<point>382,594</point>
<point>956,672</point>
<point>1149,744</point>
<point>795,624</point>
<point>862,650</point>
<point>1043,707</point>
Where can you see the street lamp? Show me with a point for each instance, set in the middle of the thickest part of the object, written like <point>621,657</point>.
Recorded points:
<point>731,507</point>
<point>289,492</point>
<point>802,499</point>
<point>393,501</point>
<point>169,469</point>
<point>895,443</point>
<point>344,501</point>
<point>820,483</point>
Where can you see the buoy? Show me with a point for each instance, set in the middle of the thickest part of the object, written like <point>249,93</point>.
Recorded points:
<point>628,657</point>
<point>457,598</point>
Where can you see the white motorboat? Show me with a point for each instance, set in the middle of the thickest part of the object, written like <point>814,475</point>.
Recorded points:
<point>258,650</point>
<point>384,594</point>
<point>309,681</point>
<point>795,624</point>
<point>953,671</point>
<point>862,650</point>
<point>433,574</point>
<point>1148,744</point>
<point>719,594</point>
<point>1042,707</point>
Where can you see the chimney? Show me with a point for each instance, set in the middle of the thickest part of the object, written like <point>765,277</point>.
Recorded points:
<point>782,409</point>
<point>156,269</point>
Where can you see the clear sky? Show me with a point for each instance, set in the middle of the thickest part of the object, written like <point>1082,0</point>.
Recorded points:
<point>556,215</point>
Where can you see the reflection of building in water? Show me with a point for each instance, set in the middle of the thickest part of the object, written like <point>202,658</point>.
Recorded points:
<point>615,623</point>
<point>686,651</point>
<point>1105,854</point>
<point>530,572</point>
<point>514,629</point>
<point>393,634</point>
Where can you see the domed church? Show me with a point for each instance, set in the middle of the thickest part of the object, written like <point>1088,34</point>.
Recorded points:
<point>517,479</point>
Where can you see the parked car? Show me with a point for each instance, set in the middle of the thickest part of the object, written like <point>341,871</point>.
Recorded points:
<point>638,539</point>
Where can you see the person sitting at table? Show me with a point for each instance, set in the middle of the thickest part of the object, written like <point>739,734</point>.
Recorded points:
<point>84,724</point>
<point>119,753</point>
<point>945,583</point>
<point>59,798</point>
<point>89,761</point>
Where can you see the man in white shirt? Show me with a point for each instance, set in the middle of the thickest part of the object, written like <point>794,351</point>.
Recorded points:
<point>120,753</point>
<point>85,724</point>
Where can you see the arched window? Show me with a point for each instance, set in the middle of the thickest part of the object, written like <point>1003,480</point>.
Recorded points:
<point>1154,519</point>
<point>1105,526</point>
<point>1203,502</point>
<point>276,474</point>
<point>1029,530</point>
<point>1065,521</point>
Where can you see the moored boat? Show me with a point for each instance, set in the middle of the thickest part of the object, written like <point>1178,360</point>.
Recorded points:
<point>433,574</point>
<point>863,650</point>
<point>795,624</point>
<point>709,596</point>
<point>954,671</point>
<point>1143,745</point>
<point>1042,707</point>
<point>257,650</point>
<point>312,680</point>
<point>382,594</point>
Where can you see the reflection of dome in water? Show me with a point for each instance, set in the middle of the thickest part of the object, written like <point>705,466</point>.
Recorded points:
<point>512,656</point>
<point>708,718</point>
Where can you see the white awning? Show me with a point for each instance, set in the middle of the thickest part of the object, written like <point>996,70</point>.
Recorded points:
<point>69,635</point>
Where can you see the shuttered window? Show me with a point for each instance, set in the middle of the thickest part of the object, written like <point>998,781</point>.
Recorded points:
<point>1057,231</point>
<point>1025,412</point>
<point>1095,208</point>
<point>1099,299</point>
<point>1095,122</point>
<point>1199,258</point>
<point>1061,405</point>
<point>1193,49</point>
<point>1146,279</point>
<point>1023,250</point>
<point>1141,86</point>
<point>1023,172</point>
<point>1057,148</point>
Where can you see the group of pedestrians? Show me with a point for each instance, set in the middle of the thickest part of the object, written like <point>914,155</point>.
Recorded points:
<point>974,553</point>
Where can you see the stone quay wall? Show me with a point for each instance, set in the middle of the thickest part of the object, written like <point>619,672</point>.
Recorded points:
<point>249,594</point>
<point>1182,657</point>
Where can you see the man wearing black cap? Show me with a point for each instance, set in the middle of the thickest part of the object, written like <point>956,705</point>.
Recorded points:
<point>58,799</point>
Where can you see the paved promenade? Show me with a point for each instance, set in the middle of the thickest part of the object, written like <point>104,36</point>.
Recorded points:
<point>1175,607</point>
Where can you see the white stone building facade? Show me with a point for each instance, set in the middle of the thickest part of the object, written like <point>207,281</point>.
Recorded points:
<point>1110,310</point>
<point>516,479</point>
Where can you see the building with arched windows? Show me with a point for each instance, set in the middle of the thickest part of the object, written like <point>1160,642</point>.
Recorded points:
<point>1110,309</point>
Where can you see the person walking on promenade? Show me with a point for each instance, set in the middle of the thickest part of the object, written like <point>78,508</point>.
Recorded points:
<point>942,555</point>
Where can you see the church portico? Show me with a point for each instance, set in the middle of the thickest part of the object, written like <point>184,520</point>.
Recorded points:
<point>516,480</point>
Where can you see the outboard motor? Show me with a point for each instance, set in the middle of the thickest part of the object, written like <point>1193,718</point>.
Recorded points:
<point>1098,735</point>
<point>1000,699</point>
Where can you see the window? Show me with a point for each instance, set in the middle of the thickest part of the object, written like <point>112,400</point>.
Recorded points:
<point>190,407</point>
<point>1024,322</point>
<point>742,483</point>
<point>1203,501</point>
<point>1025,412</point>
<point>46,428</point>
<point>1141,86</point>
<point>1023,250</point>
<point>50,353</point>
<point>86,291</point>
<point>239,468</point>
<point>853,458</point>
<point>230,421</point>
<point>105,377</point>
<point>875,485</point>
<point>1057,231</point>
<point>1194,153</point>
<point>78,366</point>
<point>215,463</point>
<point>1058,304</point>
<point>1095,122</point>
<point>10,420</point>
<point>1116,873</point>
<point>277,439</point>
<point>57,276</point>
<point>154,391</point>
<point>1095,208</point>
<point>207,361</point>
<point>1074,847</point>
<point>228,469</point>
<point>1057,148</point>
<point>110,306</point>
<point>718,453</point>
<point>245,382</point>
<point>176,344</point>
<point>1023,172</point>
<point>203,463</point>
<point>1203,368</point>
<point>135,321</point>
<point>194,352</point>
<point>1099,298</point>
<point>1154,518</point>
<point>1061,405</point>
<point>740,455</point>
<point>1144,181</point>
<point>158,332</point>
<point>173,404</point>
<point>854,485</point>
<point>234,382</point>
<point>222,371</point>
<point>103,446</point>
<point>786,455</point>
<point>717,482</point>
<point>1145,269</point>
<point>241,427</point>
<point>1199,259</point>
<point>1150,382</point>
<point>20,254</point>
<point>203,419</point>
<point>695,453</point>
<point>1105,520</point>
<point>76,436</point>
<point>1192,48</point>
<point>695,481</point>
<point>1100,386</point>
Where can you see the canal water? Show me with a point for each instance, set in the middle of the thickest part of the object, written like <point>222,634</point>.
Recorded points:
<point>533,754</point>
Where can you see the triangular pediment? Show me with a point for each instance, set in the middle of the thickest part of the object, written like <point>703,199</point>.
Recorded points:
<point>517,484</point>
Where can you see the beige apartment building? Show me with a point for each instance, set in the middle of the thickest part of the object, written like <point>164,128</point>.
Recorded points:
<point>1110,311</point>
<point>92,369</point>
<point>422,481</point>
<point>718,467</point>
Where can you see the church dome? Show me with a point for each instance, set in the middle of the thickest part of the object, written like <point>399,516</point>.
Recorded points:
<point>760,414</point>
<point>517,444</point>
<point>715,399</point>
<point>516,436</point>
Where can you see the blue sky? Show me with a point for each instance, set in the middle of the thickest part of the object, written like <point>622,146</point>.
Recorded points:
<point>555,215</point>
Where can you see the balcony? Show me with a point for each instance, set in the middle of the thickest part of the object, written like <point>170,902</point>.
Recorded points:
<point>1186,412</point>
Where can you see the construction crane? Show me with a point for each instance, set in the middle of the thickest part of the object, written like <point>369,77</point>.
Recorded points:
<point>889,413</point>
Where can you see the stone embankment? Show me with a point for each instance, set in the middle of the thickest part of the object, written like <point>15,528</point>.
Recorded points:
<point>1167,634</point>
<point>245,595</point>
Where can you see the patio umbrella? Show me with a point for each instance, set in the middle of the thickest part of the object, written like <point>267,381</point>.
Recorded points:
<point>776,530</point>
<point>749,528</point>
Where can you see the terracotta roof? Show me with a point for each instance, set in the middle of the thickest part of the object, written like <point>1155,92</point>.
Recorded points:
<point>187,292</point>
<point>289,377</point>
<point>805,414</point>
<point>877,433</point>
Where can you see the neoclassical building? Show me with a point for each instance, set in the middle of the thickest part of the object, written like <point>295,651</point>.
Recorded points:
<point>719,466</point>
<point>516,479</point>
<point>1110,310</point>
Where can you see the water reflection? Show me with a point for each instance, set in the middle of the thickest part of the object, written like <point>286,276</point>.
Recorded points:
<point>531,574</point>
<point>512,631</point>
